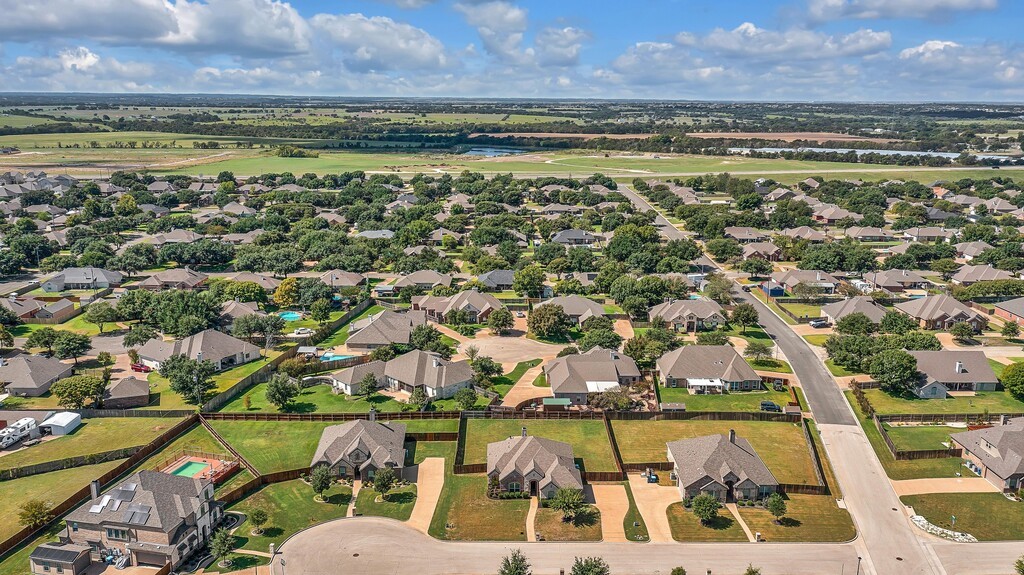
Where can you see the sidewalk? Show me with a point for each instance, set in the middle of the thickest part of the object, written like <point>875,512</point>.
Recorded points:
<point>531,519</point>
<point>739,519</point>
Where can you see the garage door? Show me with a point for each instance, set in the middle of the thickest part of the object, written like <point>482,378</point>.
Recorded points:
<point>151,559</point>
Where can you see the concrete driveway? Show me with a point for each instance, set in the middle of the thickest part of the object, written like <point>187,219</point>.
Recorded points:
<point>429,481</point>
<point>611,500</point>
<point>652,500</point>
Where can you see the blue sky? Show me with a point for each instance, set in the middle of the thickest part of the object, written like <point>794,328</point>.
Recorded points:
<point>839,50</point>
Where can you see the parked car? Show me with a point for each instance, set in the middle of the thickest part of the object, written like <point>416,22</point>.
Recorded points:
<point>745,288</point>
<point>520,314</point>
<point>771,406</point>
<point>818,323</point>
<point>141,368</point>
<point>303,331</point>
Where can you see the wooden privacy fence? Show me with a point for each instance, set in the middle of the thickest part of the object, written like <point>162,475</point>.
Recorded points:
<point>653,465</point>
<point>91,413</point>
<point>945,417</point>
<point>232,450</point>
<point>911,454</point>
<point>801,489</point>
<point>703,415</point>
<point>433,435</point>
<point>82,495</point>
<point>259,481</point>
<point>67,463</point>
<point>390,416</point>
<point>259,376</point>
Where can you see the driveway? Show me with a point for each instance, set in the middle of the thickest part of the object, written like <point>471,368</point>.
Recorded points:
<point>943,485</point>
<point>378,546</point>
<point>429,481</point>
<point>611,500</point>
<point>524,390</point>
<point>652,500</point>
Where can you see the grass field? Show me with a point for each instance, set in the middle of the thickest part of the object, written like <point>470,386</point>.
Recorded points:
<point>838,370</point>
<point>686,527</point>
<point>809,518</point>
<point>271,445</point>
<point>817,339</point>
<point>95,435</point>
<point>472,516</point>
<point>398,505</point>
<point>588,438</point>
<point>53,487</point>
<point>735,401</point>
<point>290,508</point>
<point>197,438</point>
<point>912,437</point>
<point>340,335</point>
<point>990,401</point>
<point>780,445</point>
<point>317,398</point>
<point>586,527</point>
<point>987,516</point>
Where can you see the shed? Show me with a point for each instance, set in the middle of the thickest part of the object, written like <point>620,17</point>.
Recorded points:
<point>62,423</point>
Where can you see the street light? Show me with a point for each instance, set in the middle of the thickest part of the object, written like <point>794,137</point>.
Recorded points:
<point>858,565</point>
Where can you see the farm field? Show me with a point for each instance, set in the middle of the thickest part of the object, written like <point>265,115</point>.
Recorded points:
<point>588,438</point>
<point>781,445</point>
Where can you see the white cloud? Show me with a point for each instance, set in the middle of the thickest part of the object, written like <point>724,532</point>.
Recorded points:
<point>252,28</point>
<point>500,25</point>
<point>78,68</point>
<point>882,9</point>
<point>380,43</point>
<point>106,20</point>
<point>408,4</point>
<point>955,66</point>
<point>749,41</point>
<point>560,46</point>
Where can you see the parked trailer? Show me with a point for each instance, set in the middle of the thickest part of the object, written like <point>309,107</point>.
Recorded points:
<point>22,429</point>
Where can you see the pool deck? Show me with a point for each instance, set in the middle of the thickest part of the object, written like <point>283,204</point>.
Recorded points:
<point>216,470</point>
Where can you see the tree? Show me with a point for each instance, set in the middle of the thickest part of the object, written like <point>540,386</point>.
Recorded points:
<point>757,267</point>
<point>678,571</point>
<point>471,352</point>
<point>500,321</point>
<point>775,505</point>
<point>368,385</point>
<point>34,512</point>
<point>258,517</point>
<point>548,321</point>
<point>320,311</point>
<point>100,313</point>
<point>6,337</point>
<point>723,249</point>
<point>42,337</point>
<point>590,566</point>
<point>746,315</point>
<point>484,368</point>
<point>569,501</point>
<point>751,570</point>
<point>72,392</point>
<point>287,294</point>
<point>894,369</point>
<point>516,562</point>
<point>466,398</point>
<point>718,289</point>
<point>1010,330</point>
<point>69,345</point>
<point>712,338</point>
<point>896,322</point>
<point>809,292</point>
<point>529,281</point>
<point>1013,379</point>
<point>320,480</point>
<point>855,324</point>
<point>419,397</point>
<point>281,390</point>
<point>757,350</point>
<point>705,507</point>
<point>139,334</point>
<point>604,338</point>
<point>961,331</point>
<point>384,481</point>
<point>189,378</point>
<point>1018,566</point>
<point>220,546</point>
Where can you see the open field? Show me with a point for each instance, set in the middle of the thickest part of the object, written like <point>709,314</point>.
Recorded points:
<point>686,527</point>
<point>781,445</point>
<point>588,438</point>
<point>912,437</point>
<point>95,435</point>
<point>789,136</point>
<point>809,518</point>
<point>291,508</point>
<point>574,136</point>
<point>987,516</point>
<point>472,515</point>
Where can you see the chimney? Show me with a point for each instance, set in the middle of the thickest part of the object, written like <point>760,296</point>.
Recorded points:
<point>959,367</point>
<point>1004,419</point>
<point>373,414</point>
<point>524,431</point>
<point>817,276</point>
<point>732,436</point>
<point>94,489</point>
<point>437,362</point>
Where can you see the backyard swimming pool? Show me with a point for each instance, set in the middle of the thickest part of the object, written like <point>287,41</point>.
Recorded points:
<point>190,469</point>
<point>290,315</point>
<point>331,357</point>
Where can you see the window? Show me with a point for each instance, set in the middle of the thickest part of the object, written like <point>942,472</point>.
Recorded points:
<point>74,527</point>
<point>514,486</point>
<point>46,566</point>
<point>60,569</point>
<point>119,534</point>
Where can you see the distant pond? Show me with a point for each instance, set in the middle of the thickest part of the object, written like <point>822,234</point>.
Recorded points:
<point>489,152</point>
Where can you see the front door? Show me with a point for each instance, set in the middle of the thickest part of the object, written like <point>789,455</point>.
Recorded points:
<point>533,489</point>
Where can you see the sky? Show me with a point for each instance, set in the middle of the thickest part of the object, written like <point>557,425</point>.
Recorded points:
<point>762,50</point>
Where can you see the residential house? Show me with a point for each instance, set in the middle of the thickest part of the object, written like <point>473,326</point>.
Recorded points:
<point>805,233</point>
<point>59,557</point>
<point>895,280</point>
<point>933,214</point>
<point>724,466</point>
<point>971,274</point>
<point>242,239</point>
<point>177,278</point>
<point>439,378</point>
<point>577,307</point>
<point>360,448</point>
<point>424,279</point>
<point>689,315</point>
<point>928,234</point>
<point>997,205</point>
<point>475,306</point>
<point>269,284</point>
<point>996,453</point>
<point>209,345</point>
<point>153,518</point>
<point>82,279</point>
<point>536,465</point>
<point>868,234</point>
<point>341,279</point>
<point>811,183</point>
<point>707,369</point>
<point>1010,310</point>
<point>834,312</point>
<point>573,377</point>
<point>762,250</point>
<point>349,379</point>
<point>232,310</point>
<point>744,234</point>
<point>573,237</point>
<point>383,328</point>
<point>945,370</point>
<point>826,283</point>
<point>940,312</point>
<point>31,375</point>
<point>497,280</point>
<point>830,214</point>
<point>237,209</point>
<point>970,250</point>
<point>28,308</point>
<point>376,234</point>
<point>177,236</point>
<point>126,393</point>
<point>437,236</point>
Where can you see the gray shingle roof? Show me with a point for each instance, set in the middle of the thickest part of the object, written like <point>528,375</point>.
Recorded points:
<point>383,442</point>
<point>594,371</point>
<point>385,328</point>
<point>575,306</point>
<point>714,457</point>
<point>149,498</point>
<point>681,309</point>
<point>522,455</point>
<point>942,366</point>
<point>706,362</point>
<point>213,344</point>
<point>426,368</point>
<point>859,304</point>
<point>934,307</point>
<point>1006,440</point>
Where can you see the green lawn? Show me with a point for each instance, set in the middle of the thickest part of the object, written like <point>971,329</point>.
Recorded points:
<point>398,504</point>
<point>817,339</point>
<point>733,401</point>
<point>273,445</point>
<point>802,309</point>
<point>752,333</point>
<point>430,425</point>
<point>773,365</point>
<point>53,487</point>
<point>982,401</point>
<point>291,508</point>
<point>781,445</point>
<point>94,435</point>
<point>340,335</point>
<point>773,306</point>
<point>838,370</point>
<point>501,385</point>
<point>987,516</point>
<point>686,527</point>
<point>239,562</point>
<point>636,532</point>
<point>541,381</point>
<point>222,381</point>
<point>915,469</point>
<point>197,438</point>
<point>317,398</point>
<point>914,437</point>
<point>997,366</point>
<point>472,516</point>
<point>801,399</point>
<point>585,527</point>
<point>588,438</point>
<point>809,518</point>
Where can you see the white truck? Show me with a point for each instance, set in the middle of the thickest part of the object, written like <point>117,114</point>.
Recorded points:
<point>15,432</point>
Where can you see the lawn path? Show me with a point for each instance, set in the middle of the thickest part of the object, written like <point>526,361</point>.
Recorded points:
<point>429,481</point>
<point>739,519</point>
<point>531,518</point>
<point>357,484</point>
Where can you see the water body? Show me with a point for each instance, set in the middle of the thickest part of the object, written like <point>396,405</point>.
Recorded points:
<point>489,152</point>
<point>950,155</point>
